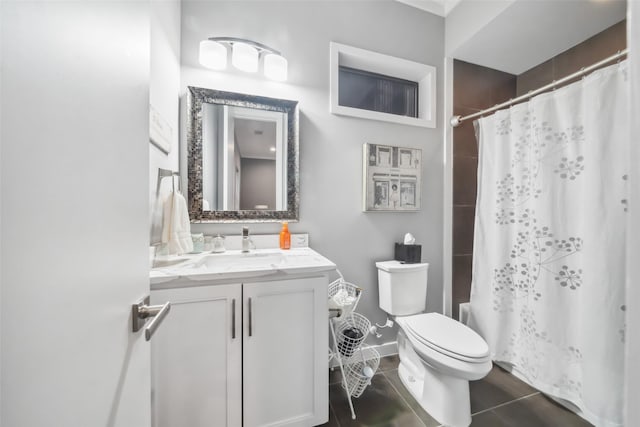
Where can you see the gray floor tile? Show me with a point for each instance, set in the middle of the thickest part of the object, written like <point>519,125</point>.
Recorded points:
<point>394,379</point>
<point>495,389</point>
<point>333,421</point>
<point>488,419</point>
<point>501,399</point>
<point>388,363</point>
<point>335,376</point>
<point>538,411</point>
<point>380,405</point>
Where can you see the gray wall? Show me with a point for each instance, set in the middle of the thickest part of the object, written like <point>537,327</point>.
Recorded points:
<point>330,145</point>
<point>257,183</point>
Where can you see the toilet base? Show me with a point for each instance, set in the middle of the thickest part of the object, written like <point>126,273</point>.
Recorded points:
<point>444,397</point>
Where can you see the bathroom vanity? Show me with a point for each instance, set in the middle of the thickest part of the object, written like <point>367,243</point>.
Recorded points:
<point>245,342</point>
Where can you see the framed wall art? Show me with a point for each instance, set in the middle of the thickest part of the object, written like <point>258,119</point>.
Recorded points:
<point>392,178</point>
<point>160,132</point>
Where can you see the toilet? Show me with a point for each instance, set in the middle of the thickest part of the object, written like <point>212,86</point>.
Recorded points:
<point>438,355</point>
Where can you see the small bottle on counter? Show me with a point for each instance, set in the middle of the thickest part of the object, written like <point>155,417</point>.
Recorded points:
<point>285,236</point>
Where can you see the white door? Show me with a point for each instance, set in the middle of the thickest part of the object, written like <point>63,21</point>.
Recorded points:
<point>229,162</point>
<point>74,213</point>
<point>251,116</point>
<point>285,353</point>
<point>197,358</point>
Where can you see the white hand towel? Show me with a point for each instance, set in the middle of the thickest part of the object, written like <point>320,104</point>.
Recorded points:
<point>176,228</point>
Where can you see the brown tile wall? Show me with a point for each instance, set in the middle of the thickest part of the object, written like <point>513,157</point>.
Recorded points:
<point>589,52</point>
<point>476,88</point>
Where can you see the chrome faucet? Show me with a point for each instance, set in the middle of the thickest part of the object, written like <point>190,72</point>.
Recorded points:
<point>246,241</point>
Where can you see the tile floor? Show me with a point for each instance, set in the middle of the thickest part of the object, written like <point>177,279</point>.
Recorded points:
<point>498,400</point>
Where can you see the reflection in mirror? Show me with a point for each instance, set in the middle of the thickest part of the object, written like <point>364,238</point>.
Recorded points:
<point>242,157</point>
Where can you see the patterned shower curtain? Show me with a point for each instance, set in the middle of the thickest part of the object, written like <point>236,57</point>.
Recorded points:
<point>549,250</point>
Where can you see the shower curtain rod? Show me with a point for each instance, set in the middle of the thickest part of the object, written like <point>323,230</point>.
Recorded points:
<point>456,120</point>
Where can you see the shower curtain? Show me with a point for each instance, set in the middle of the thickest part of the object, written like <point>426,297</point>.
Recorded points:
<point>549,245</point>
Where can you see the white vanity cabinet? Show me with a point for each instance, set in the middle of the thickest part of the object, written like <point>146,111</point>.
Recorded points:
<point>262,363</point>
<point>284,357</point>
<point>196,358</point>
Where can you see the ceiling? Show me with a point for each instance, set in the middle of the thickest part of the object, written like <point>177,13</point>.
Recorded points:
<point>526,33</point>
<point>255,138</point>
<point>437,7</point>
<point>516,35</point>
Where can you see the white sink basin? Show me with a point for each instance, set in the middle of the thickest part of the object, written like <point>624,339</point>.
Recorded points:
<point>242,261</point>
<point>159,263</point>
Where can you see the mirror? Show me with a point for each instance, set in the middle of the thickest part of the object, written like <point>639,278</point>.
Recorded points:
<point>242,157</point>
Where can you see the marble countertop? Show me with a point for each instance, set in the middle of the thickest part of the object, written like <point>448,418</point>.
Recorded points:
<point>236,266</point>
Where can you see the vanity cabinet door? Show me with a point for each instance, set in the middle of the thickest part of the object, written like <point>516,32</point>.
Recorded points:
<point>196,358</point>
<point>285,362</point>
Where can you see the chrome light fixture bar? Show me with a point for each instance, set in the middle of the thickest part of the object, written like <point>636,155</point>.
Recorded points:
<point>245,56</point>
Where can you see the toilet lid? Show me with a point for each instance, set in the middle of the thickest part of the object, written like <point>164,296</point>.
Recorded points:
<point>447,336</point>
<point>400,267</point>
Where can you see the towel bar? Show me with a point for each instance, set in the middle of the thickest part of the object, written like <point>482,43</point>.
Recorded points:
<point>163,173</point>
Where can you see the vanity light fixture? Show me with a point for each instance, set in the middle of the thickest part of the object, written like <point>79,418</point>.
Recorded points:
<point>275,67</point>
<point>245,56</point>
<point>213,55</point>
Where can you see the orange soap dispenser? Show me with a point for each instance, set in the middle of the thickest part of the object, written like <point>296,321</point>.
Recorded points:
<point>285,236</point>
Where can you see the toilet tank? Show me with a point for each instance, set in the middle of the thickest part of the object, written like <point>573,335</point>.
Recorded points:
<point>402,288</point>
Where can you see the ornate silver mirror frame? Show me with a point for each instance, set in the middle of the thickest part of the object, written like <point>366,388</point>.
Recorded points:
<point>195,98</point>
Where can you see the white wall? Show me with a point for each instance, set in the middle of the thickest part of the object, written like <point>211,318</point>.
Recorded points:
<point>1,257</point>
<point>331,146</point>
<point>632,409</point>
<point>164,96</point>
<point>447,201</point>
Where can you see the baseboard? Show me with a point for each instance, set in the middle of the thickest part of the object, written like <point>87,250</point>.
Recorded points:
<point>386,349</point>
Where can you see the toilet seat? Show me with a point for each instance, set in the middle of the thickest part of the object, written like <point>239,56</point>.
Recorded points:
<point>445,336</point>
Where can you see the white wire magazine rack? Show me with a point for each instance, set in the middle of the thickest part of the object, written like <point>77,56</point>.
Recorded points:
<point>349,330</point>
<point>359,370</point>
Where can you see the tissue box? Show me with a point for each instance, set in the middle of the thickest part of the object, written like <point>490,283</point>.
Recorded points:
<point>409,254</point>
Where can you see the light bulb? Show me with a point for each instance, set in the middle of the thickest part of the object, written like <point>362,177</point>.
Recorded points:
<point>275,67</point>
<point>213,55</point>
<point>244,57</point>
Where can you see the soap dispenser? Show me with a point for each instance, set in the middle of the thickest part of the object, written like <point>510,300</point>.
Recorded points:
<point>285,236</point>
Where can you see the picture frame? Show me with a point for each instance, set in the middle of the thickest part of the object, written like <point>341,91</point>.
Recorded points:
<point>392,178</point>
<point>160,132</point>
